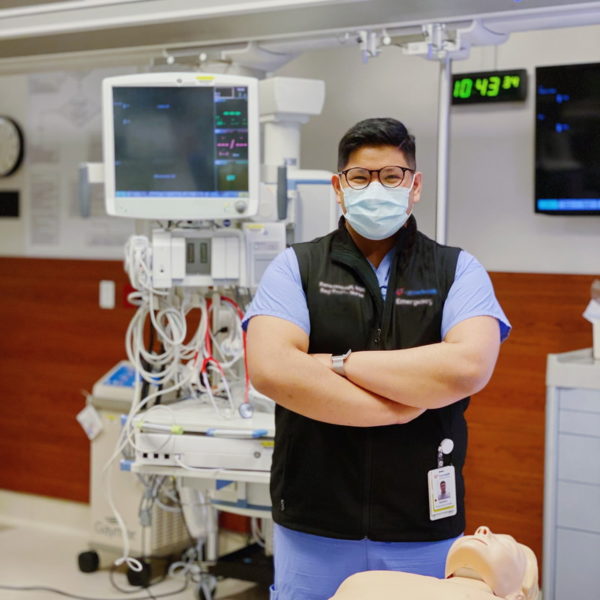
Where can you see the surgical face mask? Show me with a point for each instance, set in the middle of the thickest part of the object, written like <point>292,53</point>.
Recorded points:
<point>377,212</point>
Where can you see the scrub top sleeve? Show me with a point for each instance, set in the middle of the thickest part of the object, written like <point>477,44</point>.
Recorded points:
<point>472,295</point>
<point>280,293</point>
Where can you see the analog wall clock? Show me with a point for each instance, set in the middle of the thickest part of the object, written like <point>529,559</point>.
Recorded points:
<point>12,144</point>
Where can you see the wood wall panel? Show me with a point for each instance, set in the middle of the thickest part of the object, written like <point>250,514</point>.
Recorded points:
<point>505,464</point>
<point>56,341</point>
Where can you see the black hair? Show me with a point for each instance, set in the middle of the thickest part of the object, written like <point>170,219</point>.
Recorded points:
<point>381,131</point>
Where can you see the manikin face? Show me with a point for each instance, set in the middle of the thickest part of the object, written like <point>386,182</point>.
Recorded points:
<point>498,559</point>
<point>377,157</point>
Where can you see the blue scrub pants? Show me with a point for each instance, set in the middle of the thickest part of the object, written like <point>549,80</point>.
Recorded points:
<point>311,567</point>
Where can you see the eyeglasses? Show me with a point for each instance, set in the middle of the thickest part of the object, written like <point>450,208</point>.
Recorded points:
<point>359,178</point>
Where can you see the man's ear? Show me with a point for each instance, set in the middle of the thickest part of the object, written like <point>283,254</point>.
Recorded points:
<point>337,188</point>
<point>417,187</point>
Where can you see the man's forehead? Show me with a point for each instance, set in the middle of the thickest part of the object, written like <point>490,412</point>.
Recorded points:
<point>376,155</point>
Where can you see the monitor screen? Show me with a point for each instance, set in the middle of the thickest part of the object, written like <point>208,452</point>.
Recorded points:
<point>567,140</point>
<point>181,146</point>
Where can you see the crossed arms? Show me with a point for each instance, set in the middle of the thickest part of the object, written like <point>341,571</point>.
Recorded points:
<point>381,387</point>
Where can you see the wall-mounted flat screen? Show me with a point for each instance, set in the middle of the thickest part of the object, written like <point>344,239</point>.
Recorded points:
<point>567,140</point>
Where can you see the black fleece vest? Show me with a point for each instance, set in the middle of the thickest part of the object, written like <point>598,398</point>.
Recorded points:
<point>355,482</point>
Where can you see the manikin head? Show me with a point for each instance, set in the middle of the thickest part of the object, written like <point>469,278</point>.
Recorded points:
<point>483,566</point>
<point>507,567</point>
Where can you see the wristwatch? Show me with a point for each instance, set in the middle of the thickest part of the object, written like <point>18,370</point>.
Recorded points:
<point>337,363</point>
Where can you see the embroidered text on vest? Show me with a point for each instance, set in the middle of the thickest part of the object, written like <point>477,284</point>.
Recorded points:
<point>329,289</point>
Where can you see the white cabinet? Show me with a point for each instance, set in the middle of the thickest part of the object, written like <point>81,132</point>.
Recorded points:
<point>572,478</point>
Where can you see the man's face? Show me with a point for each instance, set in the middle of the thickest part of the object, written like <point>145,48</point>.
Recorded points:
<point>443,486</point>
<point>377,157</point>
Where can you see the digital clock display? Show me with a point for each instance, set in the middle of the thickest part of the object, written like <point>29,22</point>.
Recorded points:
<point>489,86</point>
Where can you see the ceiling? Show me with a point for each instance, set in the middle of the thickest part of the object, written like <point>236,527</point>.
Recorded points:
<point>40,28</point>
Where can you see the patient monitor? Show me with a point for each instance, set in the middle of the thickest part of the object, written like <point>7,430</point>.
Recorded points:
<point>483,566</point>
<point>181,146</point>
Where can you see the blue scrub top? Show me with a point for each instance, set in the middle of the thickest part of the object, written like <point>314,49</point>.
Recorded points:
<point>280,293</point>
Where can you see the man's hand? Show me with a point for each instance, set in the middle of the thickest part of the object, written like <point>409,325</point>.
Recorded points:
<point>434,375</point>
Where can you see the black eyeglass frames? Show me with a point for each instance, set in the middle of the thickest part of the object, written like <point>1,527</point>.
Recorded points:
<point>392,176</point>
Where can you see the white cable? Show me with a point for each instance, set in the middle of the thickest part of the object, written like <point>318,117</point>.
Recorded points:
<point>208,391</point>
<point>124,438</point>
<point>173,333</point>
<point>208,470</point>
<point>177,367</point>
<point>147,399</point>
<point>227,392</point>
<point>166,507</point>
<point>257,534</point>
<point>235,339</point>
<point>140,424</point>
<point>132,563</point>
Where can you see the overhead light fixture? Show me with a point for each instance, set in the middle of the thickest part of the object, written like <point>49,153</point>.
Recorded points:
<point>87,15</point>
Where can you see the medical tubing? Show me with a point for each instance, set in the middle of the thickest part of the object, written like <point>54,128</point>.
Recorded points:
<point>237,333</point>
<point>190,364</point>
<point>137,264</point>
<point>175,326</point>
<point>240,314</point>
<point>128,428</point>
<point>208,391</point>
<point>161,368</point>
<point>132,563</point>
<point>208,470</point>
<point>166,365</point>
<point>134,348</point>
<point>124,438</point>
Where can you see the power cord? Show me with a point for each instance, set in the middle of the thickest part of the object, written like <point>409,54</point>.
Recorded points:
<point>43,588</point>
<point>198,363</point>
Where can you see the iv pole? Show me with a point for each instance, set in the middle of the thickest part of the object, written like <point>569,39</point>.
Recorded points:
<point>439,45</point>
<point>441,216</point>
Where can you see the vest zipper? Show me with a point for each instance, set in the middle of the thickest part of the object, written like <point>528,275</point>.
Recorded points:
<point>377,340</point>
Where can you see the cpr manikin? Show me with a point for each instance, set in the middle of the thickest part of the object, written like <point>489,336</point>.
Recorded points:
<point>483,566</point>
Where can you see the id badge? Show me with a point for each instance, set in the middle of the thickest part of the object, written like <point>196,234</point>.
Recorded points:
<point>442,493</point>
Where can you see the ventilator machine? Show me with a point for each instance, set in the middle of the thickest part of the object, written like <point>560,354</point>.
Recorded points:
<point>209,163</point>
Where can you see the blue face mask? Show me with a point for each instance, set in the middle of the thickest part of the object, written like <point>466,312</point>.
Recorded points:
<point>376,212</point>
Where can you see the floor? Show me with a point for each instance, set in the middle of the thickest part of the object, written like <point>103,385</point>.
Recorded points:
<point>41,564</point>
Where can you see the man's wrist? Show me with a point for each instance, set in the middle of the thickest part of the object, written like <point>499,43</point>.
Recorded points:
<point>338,363</point>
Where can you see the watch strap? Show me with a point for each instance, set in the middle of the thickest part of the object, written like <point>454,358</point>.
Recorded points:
<point>337,362</point>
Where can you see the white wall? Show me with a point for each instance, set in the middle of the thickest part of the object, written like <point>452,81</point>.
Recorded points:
<point>492,161</point>
<point>491,167</point>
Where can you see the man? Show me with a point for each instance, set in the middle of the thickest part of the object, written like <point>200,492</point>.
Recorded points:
<point>370,340</point>
<point>443,495</point>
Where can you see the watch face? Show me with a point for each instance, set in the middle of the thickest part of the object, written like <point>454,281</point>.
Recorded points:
<point>11,146</point>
